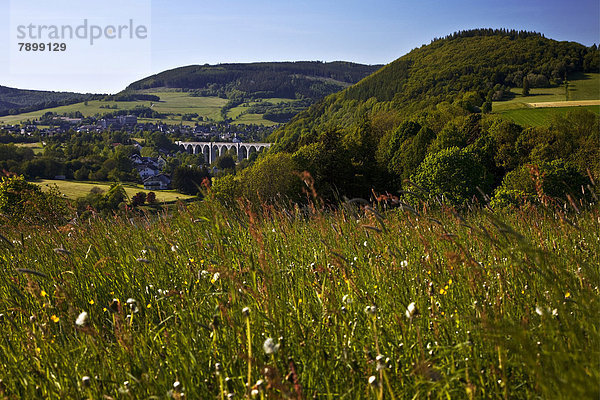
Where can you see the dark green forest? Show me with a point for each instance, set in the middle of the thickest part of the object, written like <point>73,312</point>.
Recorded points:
<point>291,80</point>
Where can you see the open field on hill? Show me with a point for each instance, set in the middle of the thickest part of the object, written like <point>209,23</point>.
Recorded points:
<point>541,116</point>
<point>575,103</point>
<point>235,113</point>
<point>73,190</point>
<point>352,304</point>
<point>581,87</point>
<point>171,102</point>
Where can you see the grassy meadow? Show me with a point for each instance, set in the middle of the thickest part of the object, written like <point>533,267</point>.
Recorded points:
<point>353,304</point>
<point>73,190</point>
<point>541,116</point>
<point>581,87</point>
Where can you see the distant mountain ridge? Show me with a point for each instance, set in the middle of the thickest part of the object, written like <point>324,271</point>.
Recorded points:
<point>301,79</point>
<point>16,101</point>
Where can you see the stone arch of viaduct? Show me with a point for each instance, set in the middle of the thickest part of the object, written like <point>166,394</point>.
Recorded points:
<point>212,150</point>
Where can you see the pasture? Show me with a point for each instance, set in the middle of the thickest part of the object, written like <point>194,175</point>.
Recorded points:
<point>73,190</point>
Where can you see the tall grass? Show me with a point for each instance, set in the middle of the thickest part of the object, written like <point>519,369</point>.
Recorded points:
<point>506,306</point>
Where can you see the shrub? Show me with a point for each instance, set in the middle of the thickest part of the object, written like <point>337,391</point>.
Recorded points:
<point>454,175</point>
<point>546,182</point>
<point>21,201</point>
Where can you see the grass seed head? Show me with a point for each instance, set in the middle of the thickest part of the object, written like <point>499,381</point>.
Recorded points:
<point>373,381</point>
<point>114,305</point>
<point>371,310</point>
<point>270,347</point>
<point>411,310</point>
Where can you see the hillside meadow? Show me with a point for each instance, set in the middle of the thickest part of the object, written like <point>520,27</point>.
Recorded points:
<point>74,189</point>
<point>170,103</point>
<point>353,303</point>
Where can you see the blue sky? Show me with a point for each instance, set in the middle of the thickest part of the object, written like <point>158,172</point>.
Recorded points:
<point>374,32</point>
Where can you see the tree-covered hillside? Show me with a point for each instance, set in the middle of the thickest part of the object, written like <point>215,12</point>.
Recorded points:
<point>261,80</point>
<point>473,67</point>
<point>308,81</point>
<point>423,124</point>
<point>16,101</point>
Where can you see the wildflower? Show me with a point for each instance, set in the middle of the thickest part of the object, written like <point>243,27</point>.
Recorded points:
<point>86,381</point>
<point>541,312</point>
<point>567,295</point>
<point>254,393</point>
<point>215,277</point>
<point>43,293</point>
<point>382,363</point>
<point>177,386</point>
<point>346,299</point>
<point>174,248</point>
<point>411,310</point>
<point>270,347</point>
<point>404,263</point>
<point>371,310</point>
<point>203,274</point>
<point>82,319</point>
<point>246,312</point>
<point>218,368</point>
<point>55,319</point>
<point>91,302</point>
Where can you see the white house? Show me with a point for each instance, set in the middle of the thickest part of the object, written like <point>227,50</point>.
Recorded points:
<point>158,182</point>
<point>147,171</point>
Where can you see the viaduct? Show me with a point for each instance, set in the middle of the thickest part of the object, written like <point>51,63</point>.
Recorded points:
<point>212,150</point>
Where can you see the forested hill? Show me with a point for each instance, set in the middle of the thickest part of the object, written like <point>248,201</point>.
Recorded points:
<point>304,79</point>
<point>469,67</point>
<point>15,101</point>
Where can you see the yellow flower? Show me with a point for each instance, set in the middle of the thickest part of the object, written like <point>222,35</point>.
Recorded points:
<point>567,295</point>
<point>43,293</point>
<point>449,281</point>
<point>149,305</point>
<point>442,291</point>
<point>55,319</point>
<point>91,302</point>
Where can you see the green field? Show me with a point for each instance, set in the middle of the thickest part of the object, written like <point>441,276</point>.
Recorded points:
<point>236,113</point>
<point>171,102</point>
<point>349,304</point>
<point>585,87</point>
<point>541,116</point>
<point>74,190</point>
<point>581,87</point>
